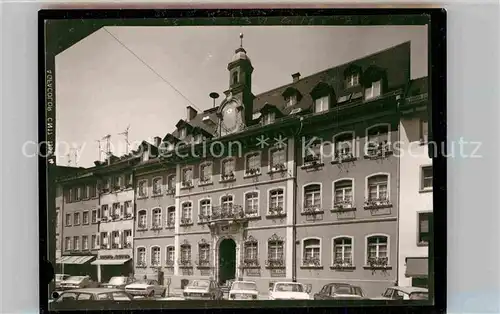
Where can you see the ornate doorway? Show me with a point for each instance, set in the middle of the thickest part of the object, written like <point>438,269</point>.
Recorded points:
<point>227,260</point>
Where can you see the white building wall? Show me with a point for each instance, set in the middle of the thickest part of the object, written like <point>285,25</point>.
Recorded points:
<point>412,200</point>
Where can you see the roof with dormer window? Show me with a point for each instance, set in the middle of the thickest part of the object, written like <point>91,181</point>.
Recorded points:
<point>268,108</point>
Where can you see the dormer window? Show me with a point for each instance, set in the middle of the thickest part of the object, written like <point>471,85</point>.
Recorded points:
<point>182,134</point>
<point>321,104</point>
<point>352,80</point>
<point>269,118</point>
<point>170,147</point>
<point>374,90</point>
<point>145,154</point>
<point>291,100</point>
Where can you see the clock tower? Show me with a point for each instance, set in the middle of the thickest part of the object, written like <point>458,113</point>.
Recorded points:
<point>237,109</point>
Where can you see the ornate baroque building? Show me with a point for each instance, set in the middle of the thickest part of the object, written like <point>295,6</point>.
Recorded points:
<point>298,183</point>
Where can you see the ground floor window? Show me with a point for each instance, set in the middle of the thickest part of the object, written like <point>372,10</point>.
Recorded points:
<point>420,282</point>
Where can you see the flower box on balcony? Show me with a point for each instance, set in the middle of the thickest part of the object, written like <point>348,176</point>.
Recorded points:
<point>202,263</point>
<point>250,263</point>
<point>157,192</point>
<point>170,224</point>
<point>141,227</point>
<point>312,210</point>
<point>344,206</point>
<point>228,177</point>
<point>186,221</point>
<point>104,247</point>
<point>185,263</point>
<point>312,161</point>
<point>140,265</point>
<point>377,263</point>
<point>341,157</point>
<point>205,181</point>
<point>115,216</point>
<point>187,184</point>
<point>252,172</point>
<point>114,246</point>
<point>377,203</point>
<point>342,264</point>
<point>276,212</point>
<point>202,218</point>
<point>278,168</point>
<point>312,262</point>
<point>104,218</point>
<point>379,150</point>
<point>128,215</point>
<point>169,263</point>
<point>275,263</point>
<point>170,191</point>
<point>105,190</point>
<point>156,226</point>
<point>127,245</point>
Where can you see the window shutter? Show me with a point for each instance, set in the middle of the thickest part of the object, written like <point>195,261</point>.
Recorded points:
<point>122,211</point>
<point>98,212</point>
<point>120,244</point>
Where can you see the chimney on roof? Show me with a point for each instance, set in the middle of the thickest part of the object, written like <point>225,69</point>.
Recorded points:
<point>157,141</point>
<point>191,113</point>
<point>296,77</point>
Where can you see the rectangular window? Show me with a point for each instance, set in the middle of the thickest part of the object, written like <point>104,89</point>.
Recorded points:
<point>268,118</point>
<point>321,104</point>
<point>228,168</point>
<point>252,203</point>
<point>92,190</point>
<point>342,250</point>
<point>170,255</point>
<point>186,253</point>
<point>187,210</point>
<point>312,196</point>
<point>85,218</point>
<point>86,192</point>
<point>377,188</point>
<point>141,188</point>
<point>252,164</point>
<point>76,243</point>
<point>68,220</point>
<point>251,249</point>
<point>343,192</point>
<point>104,240</point>
<point>171,184</point>
<point>85,242</point>
<point>156,218</point>
<point>426,178</point>
<point>312,251</point>
<point>204,251</point>
<point>424,219</point>
<point>94,216</point>
<point>127,237</point>
<point>374,90</point>
<point>128,209</point>
<point>278,159</point>
<point>78,193</point>
<point>377,247</point>
<point>128,180</point>
<point>352,80</point>
<point>275,250</point>
<point>95,244</point>
<point>291,101</point>
<point>171,217</point>
<point>206,173</point>
<point>67,244</point>
<point>116,211</point>
<point>76,219</point>
<point>187,177</point>
<point>205,207</point>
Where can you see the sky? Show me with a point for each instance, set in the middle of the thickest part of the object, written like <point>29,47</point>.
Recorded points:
<point>102,87</point>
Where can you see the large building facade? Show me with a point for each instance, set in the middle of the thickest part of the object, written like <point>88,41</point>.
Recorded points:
<point>298,183</point>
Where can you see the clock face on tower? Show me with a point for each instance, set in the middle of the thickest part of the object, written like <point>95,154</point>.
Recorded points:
<point>230,117</point>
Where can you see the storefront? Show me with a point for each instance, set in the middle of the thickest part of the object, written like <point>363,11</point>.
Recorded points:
<point>108,267</point>
<point>417,268</point>
<point>76,265</point>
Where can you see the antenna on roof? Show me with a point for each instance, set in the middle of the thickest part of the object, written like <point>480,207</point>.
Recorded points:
<point>214,96</point>
<point>126,138</point>
<point>107,151</point>
<point>68,156</point>
<point>75,152</point>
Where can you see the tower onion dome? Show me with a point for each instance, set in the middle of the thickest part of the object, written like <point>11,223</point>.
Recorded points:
<point>240,53</point>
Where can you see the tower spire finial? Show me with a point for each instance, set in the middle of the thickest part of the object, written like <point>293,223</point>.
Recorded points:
<point>241,40</point>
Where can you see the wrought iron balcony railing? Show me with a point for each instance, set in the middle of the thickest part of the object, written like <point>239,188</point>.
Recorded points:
<point>227,212</point>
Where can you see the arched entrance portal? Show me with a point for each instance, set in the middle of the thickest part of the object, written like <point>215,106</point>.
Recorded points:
<point>227,260</point>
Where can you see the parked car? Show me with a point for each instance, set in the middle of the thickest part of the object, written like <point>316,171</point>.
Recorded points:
<point>289,291</point>
<point>339,291</point>
<point>77,282</point>
<point>404,293</point>
<point>59,278</point>
<point>118,282</point>
<point>90,294</point>
<point>146,288</point>
<point>203,289</point>
<point>243,290</point>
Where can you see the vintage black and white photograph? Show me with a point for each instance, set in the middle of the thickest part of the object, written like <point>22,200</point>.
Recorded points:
<point>230,162</point>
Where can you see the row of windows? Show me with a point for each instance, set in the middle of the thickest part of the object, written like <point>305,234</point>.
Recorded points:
<point>117,211</point>
<point>88,191</point>
<point>111,240</point>
<point>376,247</point>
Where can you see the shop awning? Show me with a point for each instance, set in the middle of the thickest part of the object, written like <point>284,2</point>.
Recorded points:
<point>110,261</point>
<point>417,267</point>
<point>73,259</point>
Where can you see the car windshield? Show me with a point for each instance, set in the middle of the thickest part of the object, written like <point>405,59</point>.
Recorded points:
<point>75,278</point>
<point>289,287</point>
<point>200,283</point>
<point>144,281</point>
<point>117,280</point>
<point>244,286</point>
<point>419,296</point>
<point>344,290</point>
